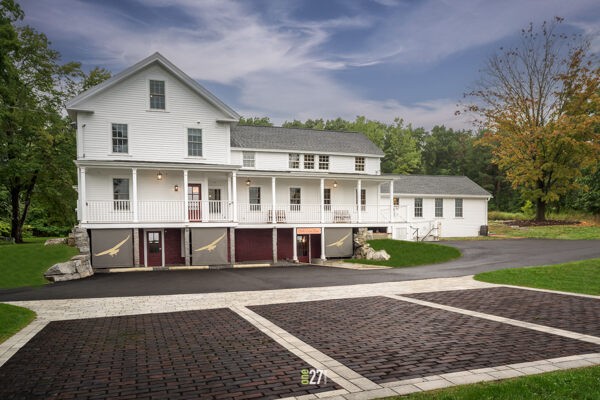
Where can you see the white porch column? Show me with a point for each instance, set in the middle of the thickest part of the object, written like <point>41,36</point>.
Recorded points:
<point>134,197</point>
<point>322,198</point>
<point>323,244</point>
<point>359,199</point>
<point>294,245</point>
<point>234,195</point>
<point>273,200</point>
<point>378,196</point>
<point>186,216</point>
<point>391,201</point>
<point>82,197</point>
<point>229,203</point>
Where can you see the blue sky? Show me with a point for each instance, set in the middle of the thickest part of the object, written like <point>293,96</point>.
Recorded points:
<point>299,59</point>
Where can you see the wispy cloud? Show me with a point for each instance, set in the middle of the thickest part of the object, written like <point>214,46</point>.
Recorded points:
<point>284,65</point>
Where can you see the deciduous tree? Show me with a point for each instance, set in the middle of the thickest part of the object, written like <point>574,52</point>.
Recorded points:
<point>538,103</point>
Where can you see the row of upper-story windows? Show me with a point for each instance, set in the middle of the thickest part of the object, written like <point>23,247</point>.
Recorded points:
<point>310,161</point>
<point>438,208</point>
<point>120,140</point>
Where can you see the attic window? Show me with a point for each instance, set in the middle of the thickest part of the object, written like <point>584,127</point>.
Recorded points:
<point>157,95</point>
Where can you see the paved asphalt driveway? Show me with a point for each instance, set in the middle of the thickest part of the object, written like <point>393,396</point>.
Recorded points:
<point>478,256</point>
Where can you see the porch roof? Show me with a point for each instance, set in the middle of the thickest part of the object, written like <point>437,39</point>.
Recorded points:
<point>156,165</point>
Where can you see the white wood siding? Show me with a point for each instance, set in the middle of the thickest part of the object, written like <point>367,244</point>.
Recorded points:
<point>154,135</point>
<point>279,161</point>
<point>474,215</point>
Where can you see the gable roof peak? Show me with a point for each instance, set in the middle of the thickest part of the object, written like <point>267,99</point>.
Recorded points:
<point>169,66</point>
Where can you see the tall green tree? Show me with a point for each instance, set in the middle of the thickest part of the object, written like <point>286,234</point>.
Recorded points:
<point>37,141</point>
<point>539,104</point>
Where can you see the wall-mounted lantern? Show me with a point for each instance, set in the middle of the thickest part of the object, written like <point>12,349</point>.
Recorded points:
<point>248,182</point>
<point>159,176</point>
<point>176,188</point>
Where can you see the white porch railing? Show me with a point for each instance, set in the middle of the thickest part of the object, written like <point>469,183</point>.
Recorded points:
<point>122,211</point>
<point>158,211</point>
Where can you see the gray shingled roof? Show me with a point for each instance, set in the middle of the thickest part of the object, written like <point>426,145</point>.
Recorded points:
<point>435,184</point>
<point>301,140</point>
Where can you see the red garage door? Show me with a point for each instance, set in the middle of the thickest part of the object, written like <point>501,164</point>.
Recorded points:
<point>253,245</point>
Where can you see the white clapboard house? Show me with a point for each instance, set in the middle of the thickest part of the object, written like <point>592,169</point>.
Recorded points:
<point>166,177</point>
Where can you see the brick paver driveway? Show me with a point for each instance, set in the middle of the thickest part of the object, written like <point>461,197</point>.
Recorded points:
<point>577,314</point>
<point>371,340</point>
<point>387,340</point>
<point>192,354</point>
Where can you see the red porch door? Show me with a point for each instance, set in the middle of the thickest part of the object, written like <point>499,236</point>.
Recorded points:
<point>194,197</point>
<point>155,248</point>
<point>303,248</point>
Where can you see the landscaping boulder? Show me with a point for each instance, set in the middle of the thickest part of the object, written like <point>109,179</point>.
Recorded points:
<point>54,241</point>
<point>78,266</point>
<point>363,250</point>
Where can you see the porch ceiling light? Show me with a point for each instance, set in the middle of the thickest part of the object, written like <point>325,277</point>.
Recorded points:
<point>248,181</point>
<point>334,184</point>
<point>176,188</point>
<point>159,176</point>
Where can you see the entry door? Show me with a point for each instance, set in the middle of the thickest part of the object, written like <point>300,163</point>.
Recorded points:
<point>303,248</point>
<point>194,203</point>
<point>155,247</point>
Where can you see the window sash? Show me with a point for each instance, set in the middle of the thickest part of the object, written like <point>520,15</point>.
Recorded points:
<point>294,160</point>
<point>119,138</point>
<point>363,199</point>
<point>309,161</point>
<point>359,163</point>
<point>458,208</point>
<point>323,162</point>
<point>419,207</point>
<point>249,159</point>
<point>439,208</point>
<point>194,142</point>
<point>157,95</point>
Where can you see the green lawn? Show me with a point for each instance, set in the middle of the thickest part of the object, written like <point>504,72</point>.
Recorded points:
<point>583,383</point>
<point>25,264</point>
<point>546,232</point>
<point>407,254</point>
<point>576,277</point>
<point>13,319</point>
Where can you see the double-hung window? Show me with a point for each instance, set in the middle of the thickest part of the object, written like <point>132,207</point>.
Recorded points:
<point>359,163</point>
<point>254,193</point>
<point>309,161</point>
<point>121,194</point>
<point>120,139</point>
<point>323,162</point>
<point>458,208</point>
<point>439,208</point>
<point>295,199</point>
<point>418,207</point>
<point>294,159</point>
<point>194,136</point>
<point>249,159</point>
<point>157,95</point>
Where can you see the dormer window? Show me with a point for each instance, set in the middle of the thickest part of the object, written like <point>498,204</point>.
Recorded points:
<point>157,95</point>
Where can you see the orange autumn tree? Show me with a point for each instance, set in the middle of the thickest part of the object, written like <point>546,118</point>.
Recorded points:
<point>539,104</point>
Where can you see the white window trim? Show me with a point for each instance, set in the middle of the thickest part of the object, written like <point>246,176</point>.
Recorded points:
<point>356,164</point>
<point>462,208</point>
<point>415,207</point>
<point>185,142</point>
<point>167,102</point>
<point>313,162</point>
<point>129,141</point>
<point>300,158</point>
<point>318,166</point>
<point>435,207</point>
<point>253,159</point>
